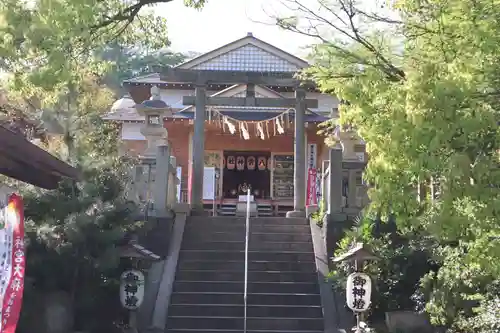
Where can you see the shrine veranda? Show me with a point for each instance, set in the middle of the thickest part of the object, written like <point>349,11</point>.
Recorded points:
<point>240,116</point>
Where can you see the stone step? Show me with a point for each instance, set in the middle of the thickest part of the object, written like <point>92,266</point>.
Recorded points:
<point>234,331</point>
<point>278,311</point>
<point>216,323</point>
<point>236,265</point>
<point>252,299</point>
<point>254,236</point>
<point>253,287</point>
<point>207,220</point>
<point>190,244</point>
<point>208,229</point>
<point>269,276</point>
<point>289,256</point>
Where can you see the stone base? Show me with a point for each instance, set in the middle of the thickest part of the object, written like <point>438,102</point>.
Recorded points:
<point>311,209</point>
<point>295,213</point>
<point>181,208</point>
<point>198,211</point>
<point>241,209</point>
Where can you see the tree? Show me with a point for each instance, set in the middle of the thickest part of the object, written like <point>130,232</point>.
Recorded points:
<point>128,63</point>
<point>74,230</point>
<point>422,90</point>
<point>41,40</point>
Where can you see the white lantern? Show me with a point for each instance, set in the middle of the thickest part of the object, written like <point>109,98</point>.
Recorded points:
<point>132,289</point>
<point>358,292</point>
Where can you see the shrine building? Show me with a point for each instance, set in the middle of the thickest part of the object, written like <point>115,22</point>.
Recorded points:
<point>236,119</point>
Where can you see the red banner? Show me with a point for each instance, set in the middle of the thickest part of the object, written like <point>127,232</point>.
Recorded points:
<point>13,262</point>
<point>311,187</point>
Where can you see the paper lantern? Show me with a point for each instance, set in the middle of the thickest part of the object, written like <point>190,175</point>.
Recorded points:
<point>240,163</point>
<point>231,162</point>
<point>261,163</point>
<point>132,289</point>
<point>223,162</point>
<point>251,163</point>
<point>269,163</point>
<point>358,292</point>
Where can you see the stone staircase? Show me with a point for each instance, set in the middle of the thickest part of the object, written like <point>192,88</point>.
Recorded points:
<point>283,291</point>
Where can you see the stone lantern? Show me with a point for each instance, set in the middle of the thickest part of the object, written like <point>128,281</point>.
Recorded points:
<point>154,111</point>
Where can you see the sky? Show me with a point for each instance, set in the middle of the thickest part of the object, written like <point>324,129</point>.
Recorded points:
<point>223,21</point>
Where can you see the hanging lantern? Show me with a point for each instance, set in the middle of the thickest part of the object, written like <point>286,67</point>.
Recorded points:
<point>261,163</point>
<point>251,163</point>
<point>132,289</point>
<point>240,163</point>
<point>231,162</point>
<point>223,162</point>
<point>269,163</point>
<point>358,292</point>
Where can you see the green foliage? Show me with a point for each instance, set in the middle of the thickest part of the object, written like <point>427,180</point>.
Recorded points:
<point>129,63</point>
<point>74,230</point>
<point>396,275</point>
<point>428,109</point>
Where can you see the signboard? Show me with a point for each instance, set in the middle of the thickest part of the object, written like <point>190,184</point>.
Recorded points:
<point>312,198</point>
<point>179,176</point>
<point>209,183</point>
<point>12,260</point>
<point>358,292</point>
<point>312,155</point>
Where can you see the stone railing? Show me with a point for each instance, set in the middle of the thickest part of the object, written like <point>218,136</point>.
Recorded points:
<point>144,189</point>
<point>349,197</point>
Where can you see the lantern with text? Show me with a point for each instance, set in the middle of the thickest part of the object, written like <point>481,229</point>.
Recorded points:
<point>240,163</point>
<point>261,163</point>
<point>132,289</point>
<point>358,292</point>
<point>231,162</point>
<point>251,163</point>
<point>359,284</point>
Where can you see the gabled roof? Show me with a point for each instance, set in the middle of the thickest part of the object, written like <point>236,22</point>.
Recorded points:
<point>239,90</point>
<point>247,54</point>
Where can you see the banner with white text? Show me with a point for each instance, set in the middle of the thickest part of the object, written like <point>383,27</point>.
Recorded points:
<point>312,198</point>
<point>12,260</point>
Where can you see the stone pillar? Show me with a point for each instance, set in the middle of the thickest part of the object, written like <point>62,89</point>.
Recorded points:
<point>351,193</point>
<point>335,186</point>
<point>160,187</point>
<point>299,183</point>
<point>198,152</point>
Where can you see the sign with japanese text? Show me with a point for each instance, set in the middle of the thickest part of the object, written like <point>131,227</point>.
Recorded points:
<point>312,153</point>
<point>132,289</point>
<point>312,198</point>
<point>358,292</point>
<point>12,260</point>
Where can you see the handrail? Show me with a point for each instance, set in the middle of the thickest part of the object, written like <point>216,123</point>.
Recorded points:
<point>247,235</point>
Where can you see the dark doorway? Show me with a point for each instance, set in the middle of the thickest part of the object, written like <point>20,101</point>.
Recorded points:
<point>241,170</point>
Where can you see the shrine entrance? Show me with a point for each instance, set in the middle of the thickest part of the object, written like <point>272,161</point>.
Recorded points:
<point>246,169</point>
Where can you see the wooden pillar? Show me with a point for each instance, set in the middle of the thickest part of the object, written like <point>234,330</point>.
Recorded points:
<point>299,183</point>
<point>198,152</point>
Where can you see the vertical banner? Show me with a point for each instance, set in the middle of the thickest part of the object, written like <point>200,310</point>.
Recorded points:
<point>312,198</point>
<point>209,183</point>
<point>12,261</point>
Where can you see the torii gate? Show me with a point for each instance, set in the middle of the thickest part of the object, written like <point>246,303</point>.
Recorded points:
<point>200,78</point>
